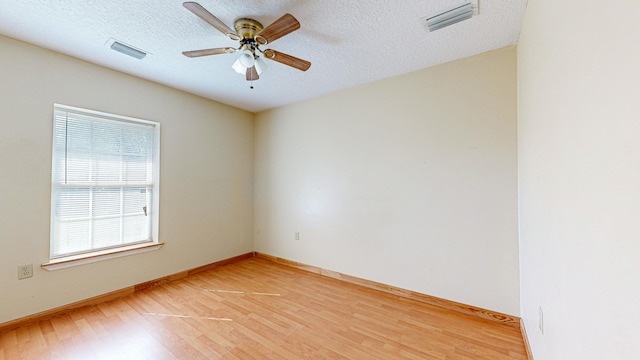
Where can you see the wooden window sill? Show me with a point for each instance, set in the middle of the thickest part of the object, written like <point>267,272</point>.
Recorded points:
<point>81,259</point>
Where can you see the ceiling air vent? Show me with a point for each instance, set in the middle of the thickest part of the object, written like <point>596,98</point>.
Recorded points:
<point>126,49</point>
<point>451,16</point>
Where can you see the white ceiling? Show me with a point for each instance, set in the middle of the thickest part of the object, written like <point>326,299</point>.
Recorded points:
<point>349,43</point>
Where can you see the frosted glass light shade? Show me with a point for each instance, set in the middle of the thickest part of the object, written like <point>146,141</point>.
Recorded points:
<point>261,65</point>
<point>246,59</point>
<point>238,67</point>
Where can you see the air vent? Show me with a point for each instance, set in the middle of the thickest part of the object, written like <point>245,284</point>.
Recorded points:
<point>126,49</point>
<point>451,16</point>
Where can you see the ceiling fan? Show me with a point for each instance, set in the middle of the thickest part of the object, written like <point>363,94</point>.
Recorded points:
<point>251,35</point>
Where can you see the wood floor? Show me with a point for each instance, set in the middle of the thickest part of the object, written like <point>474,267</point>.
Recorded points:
<point>257,309</point>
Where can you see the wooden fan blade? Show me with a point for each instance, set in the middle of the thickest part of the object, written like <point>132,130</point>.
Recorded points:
<point>279,28</point>
<point>203,14</point>
<point>252,74</point>
<point>205,52</point>
<point>283,58</point>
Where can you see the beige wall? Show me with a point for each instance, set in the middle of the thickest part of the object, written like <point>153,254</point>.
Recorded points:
<point>410,181</point>
<point>579,176</point>
<point>206,176</point>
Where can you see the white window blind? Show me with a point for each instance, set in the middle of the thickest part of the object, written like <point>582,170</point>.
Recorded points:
<point>104,181</point>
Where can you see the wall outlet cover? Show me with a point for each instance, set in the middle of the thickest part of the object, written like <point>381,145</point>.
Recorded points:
<point>25,271</point>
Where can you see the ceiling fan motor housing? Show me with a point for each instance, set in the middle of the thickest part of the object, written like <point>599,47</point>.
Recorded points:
<point>247,28</point>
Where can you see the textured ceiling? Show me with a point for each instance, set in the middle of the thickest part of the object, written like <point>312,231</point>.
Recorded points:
<point>349,43</point>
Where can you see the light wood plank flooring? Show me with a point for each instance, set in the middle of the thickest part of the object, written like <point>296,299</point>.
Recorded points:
<point>257,309</point>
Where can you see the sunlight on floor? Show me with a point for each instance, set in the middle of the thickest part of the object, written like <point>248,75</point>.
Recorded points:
<point>241,292</point>
<point>187,316</point>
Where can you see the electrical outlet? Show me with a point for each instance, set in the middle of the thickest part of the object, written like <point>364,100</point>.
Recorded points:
<point>541,320</point>
<point>25,271</point>
<point>297,236</point>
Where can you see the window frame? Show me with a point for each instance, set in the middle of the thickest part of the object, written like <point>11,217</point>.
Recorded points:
<point>57,261</point>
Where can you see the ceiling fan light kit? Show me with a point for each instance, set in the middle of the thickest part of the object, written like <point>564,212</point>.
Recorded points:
<point>451,16</point>
<point>251,35</point>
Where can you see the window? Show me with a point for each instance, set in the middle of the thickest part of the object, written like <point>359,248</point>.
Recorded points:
<point>104,188</point>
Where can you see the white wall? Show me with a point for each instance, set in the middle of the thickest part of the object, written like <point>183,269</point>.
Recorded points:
<point>206,180</point>
<point>579,178</point>
<point>410,181</point>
